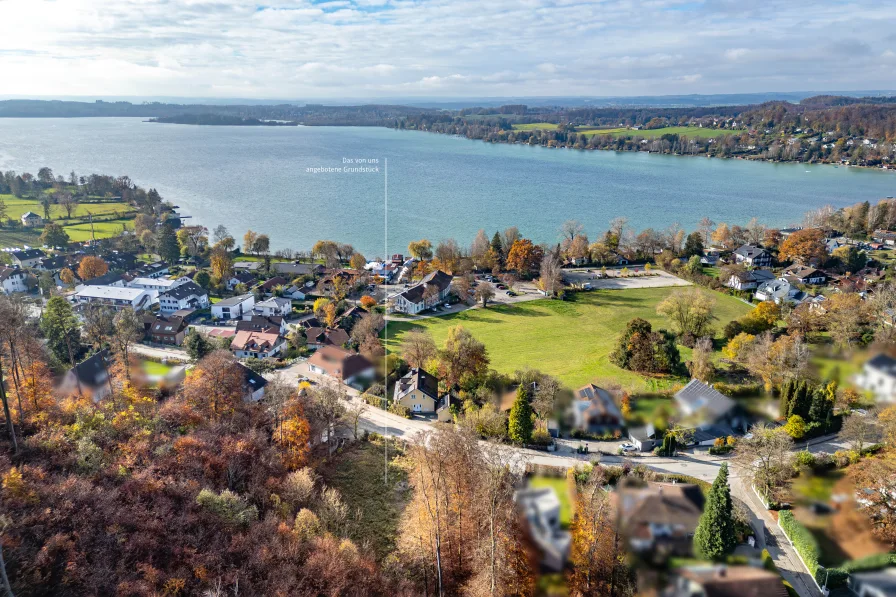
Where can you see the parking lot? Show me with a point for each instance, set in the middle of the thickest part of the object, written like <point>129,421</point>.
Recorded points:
<point>613,280</point>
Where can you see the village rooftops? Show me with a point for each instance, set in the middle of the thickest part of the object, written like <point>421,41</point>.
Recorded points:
<point>27,254</point>
<point>184,290</point>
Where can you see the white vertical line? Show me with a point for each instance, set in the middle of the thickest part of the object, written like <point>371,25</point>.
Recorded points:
<point>385,321</point>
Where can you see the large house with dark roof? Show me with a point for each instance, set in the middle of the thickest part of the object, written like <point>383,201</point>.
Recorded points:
<point>295,269</point>
<point>27,257</point>
<point>418,391</point>
<point>165,330</point>
<point>711,413</point>
<point>749,279</point>
<point>12,279</point>
<point>89,377</point>
<point>430,291</point>
<point>188,295</point>
<point>658,520</point>
<point>753,256</point>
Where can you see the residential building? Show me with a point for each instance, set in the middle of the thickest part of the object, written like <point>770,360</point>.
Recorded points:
<point>54,264</point>
<point>541,508</point>
<point>644,438</point>
<point>278,306</point>
<point>89,377</point>
<point>432,290</point>
<point>295,269</point>
<point>31,220</point>
<point>887,237</point>
<point>779,291</point>
<point>234,307</point>
<point>269,285</point>
<point>12,279</point>
<point>113,278</point>
<point>294,293</point>
<point>418,391</point>
<point>593,410</point>
<point>749,279</point>
<point>707,406</point>
<point>254,386</point>
<point>753,256</point>
<point>260,323</point>
<point>344,365</point>
<point>801,274</point>
<point>259,345</point>
<point>879,583</point>
<point>725,581</point>
<point>658,520</point>
<point>165,330</point>
<point>247,266</point>
<point>320,337</point>
<point>188,295</point>
<point>156,269</point>
<point>245,278</point>
<point>878,376</point>
<point>159,284</point>
<point>116,296</point>
<point>27,257</point>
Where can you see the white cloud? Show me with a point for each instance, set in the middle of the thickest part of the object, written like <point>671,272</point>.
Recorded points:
<point>300,49</point>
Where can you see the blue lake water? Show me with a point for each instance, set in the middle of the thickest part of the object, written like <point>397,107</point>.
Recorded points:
<point>438,186</point>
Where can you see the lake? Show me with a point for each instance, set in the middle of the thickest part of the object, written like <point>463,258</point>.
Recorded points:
<point>294,183</point>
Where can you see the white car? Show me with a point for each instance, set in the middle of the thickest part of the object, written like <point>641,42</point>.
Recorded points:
<point>627,447</point>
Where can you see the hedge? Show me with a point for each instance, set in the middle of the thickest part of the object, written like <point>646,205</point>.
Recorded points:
<point>803,541</point>
<point>837,577</point>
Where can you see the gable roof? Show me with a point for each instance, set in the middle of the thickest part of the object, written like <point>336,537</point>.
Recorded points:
<point>28,254</point>
<point>233,301</point>
<point>750,251</point>
<point>275,281</point>
<point>338,362</point>
<point>594,400</point>
<point>260,323</point>
<point>334,336</point>
<point>94,370</point>
<point>296,268</point>
<point>29,215</point>
<point>417,379</point>
<point>276,302</point>
<point>255,340</point>
<point>254,381</point>
<point>883,363</point>
<point>735,581</point>
<point>438,278</point>
<point>697,396</point>
<point>167,325</point>
<point>185,290</point>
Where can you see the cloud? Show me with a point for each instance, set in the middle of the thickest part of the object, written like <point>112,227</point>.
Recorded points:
<point>306,49</point>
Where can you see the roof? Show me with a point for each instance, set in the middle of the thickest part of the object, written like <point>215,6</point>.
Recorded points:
<point>593,400</point>
<point>107,278</point>
<point>155,282</point>
<point>735,581</point>
<point>6,272</point>
<point>254,340</point>
<point>30,214</point>
<point>296,268</point>
<point>110,292</point>
<point>276,302</point>
<point>254,381</point>
<point>233,301</point>
<point>260,323</point>
<point>697,396</point>
<point>28,254</point>
<point>244,277</point>
<point>417,379</point>
<point>167,325</point>
<point>883,580</point>
<point>275,281</point>
<point>438,278</point>
<point>883,363</point>
<point>661,504</point>
<point>247,265</point>
<point>334,336</point>
<point>92,371</point>
<point>749,251</point>
<point>185,290</point>
<point>802,271</point>
<point>338,362</point>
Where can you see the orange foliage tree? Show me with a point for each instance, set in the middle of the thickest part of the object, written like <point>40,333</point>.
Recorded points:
<point>804,246</point>
<point>524,257</point>
<point>216,385</point>
<point>293,435</point>
<point>92,267</point>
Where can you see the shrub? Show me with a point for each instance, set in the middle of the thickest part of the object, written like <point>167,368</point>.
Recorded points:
<point>400,410</point>
<point>541,437</point>
<point>805,459</point>
<point>803,541</point>
<point>228,506</point>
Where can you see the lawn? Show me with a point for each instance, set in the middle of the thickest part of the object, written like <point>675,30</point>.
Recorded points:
<point>357,472</point>
<point>82,232</point>
<point>561,488</point>
<point>156,369</point>
<point>571,340</point>
<point>17,206</point>
<point>531,126</point>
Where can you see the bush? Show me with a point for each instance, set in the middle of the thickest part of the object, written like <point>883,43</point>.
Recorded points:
<point>541,437</point>
<point>803,541</point>
<point>606,436</point>
<point>735,390</point>
<point>721,450</point>
<point>805,459</point>
<point>400,410</point>
<point>732,329</point>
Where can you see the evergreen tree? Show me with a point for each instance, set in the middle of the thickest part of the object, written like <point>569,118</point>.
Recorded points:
<point>693,245</point>
<point>62,329</point>
<point>802,400</point>
<point>497,245</point>
<point>716,535</point>
<point>168,247</point>
<point>786,399</point>
<point>197,345</point>
<point>519,425</point>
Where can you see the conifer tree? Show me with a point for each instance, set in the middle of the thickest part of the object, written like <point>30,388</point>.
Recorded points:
<point>519,425</point>
<point>716,535</point>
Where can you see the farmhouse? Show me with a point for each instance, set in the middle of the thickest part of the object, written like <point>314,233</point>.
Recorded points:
<point>233,307</point>
<point>430,291</point>
<point>753,256</point>
<point>418,391</point>
<point>31,220</point>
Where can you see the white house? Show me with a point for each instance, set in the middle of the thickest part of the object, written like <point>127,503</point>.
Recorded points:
<point>12,279</point>
<point>116,296</point>
<point>429,292</point>
<point>27,257</point>
<point>188,295</point>
<point>259,345</point>
<point>234,307</point>
<point>779,291</point>
<point>753,256</point>
<point>158,284</point>
<point>295,293</point>
<point>31,220</point>
<point>749,279</point>
<point>274,306</point>
<point>878,376</point>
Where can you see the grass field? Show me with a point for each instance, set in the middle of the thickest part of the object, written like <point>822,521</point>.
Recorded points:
<point>531,126</point>
<point>81,232</point>
<point>77,227</point>
<point>16,207</point>
<point>559,485</point>
<point>357,472</point>
<point>571,340</point>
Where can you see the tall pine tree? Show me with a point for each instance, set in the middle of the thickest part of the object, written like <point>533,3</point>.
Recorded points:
<point>786,399</point>
<point>716,535</point>
<point>519,425</point>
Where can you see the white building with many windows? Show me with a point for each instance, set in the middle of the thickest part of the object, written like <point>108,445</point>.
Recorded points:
<point>115,296</point>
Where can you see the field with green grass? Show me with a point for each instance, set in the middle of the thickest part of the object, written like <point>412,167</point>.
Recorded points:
<point>531,126</point>
<point>101,209</point>
<point>111,216</point>
<point>571,340</point>
<point>689,131</point>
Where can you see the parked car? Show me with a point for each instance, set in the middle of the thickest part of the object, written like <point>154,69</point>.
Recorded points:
<point>502,287</point>
<point>627,447</point>
<point>447,305</point>
<point>510,293</point>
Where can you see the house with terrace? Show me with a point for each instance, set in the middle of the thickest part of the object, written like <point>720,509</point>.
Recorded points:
<point>753,256</point>
<point>259,345</point>
<point>188,295</point>
<point>118,297</point>
<point>245,278</point>
<point>432,290</point>
<point>709,413</point>
<point>274,306</point>
<point>234,307</point>
<point>658,520</point>
<point>260,323</point>
<point>418,391</point>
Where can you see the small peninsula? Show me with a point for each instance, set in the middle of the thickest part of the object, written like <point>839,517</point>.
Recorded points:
<point>220,120</point>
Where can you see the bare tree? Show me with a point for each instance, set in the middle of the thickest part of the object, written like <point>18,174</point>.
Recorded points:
<point>766,457</point>
<point>128,330</point>
<point>417,347</point>
<point>860,431</point>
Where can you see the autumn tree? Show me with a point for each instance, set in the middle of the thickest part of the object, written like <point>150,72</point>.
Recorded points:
<point>249,240</point>
<point>128,331</point>
<point>777,361</point>
<point>766,456</point>
<point>463,358</point>
<point>845,317</point>
<point>875,480</point>
<point>54,236</point>
<point>357,261</point>
<point>484,293</point>
<point>293,435</point>
<point>92,267</point>
<point>524,257</point>
<point>216,384</point>
<point>420,249</point>
<point>98,324</point>
<point>804,246</point>
<point>701,365</point>
<point>690,311</point>
<point>367,302</point>
<point>417,348</point>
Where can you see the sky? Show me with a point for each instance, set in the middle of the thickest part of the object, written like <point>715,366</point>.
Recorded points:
<point>307,49</point>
